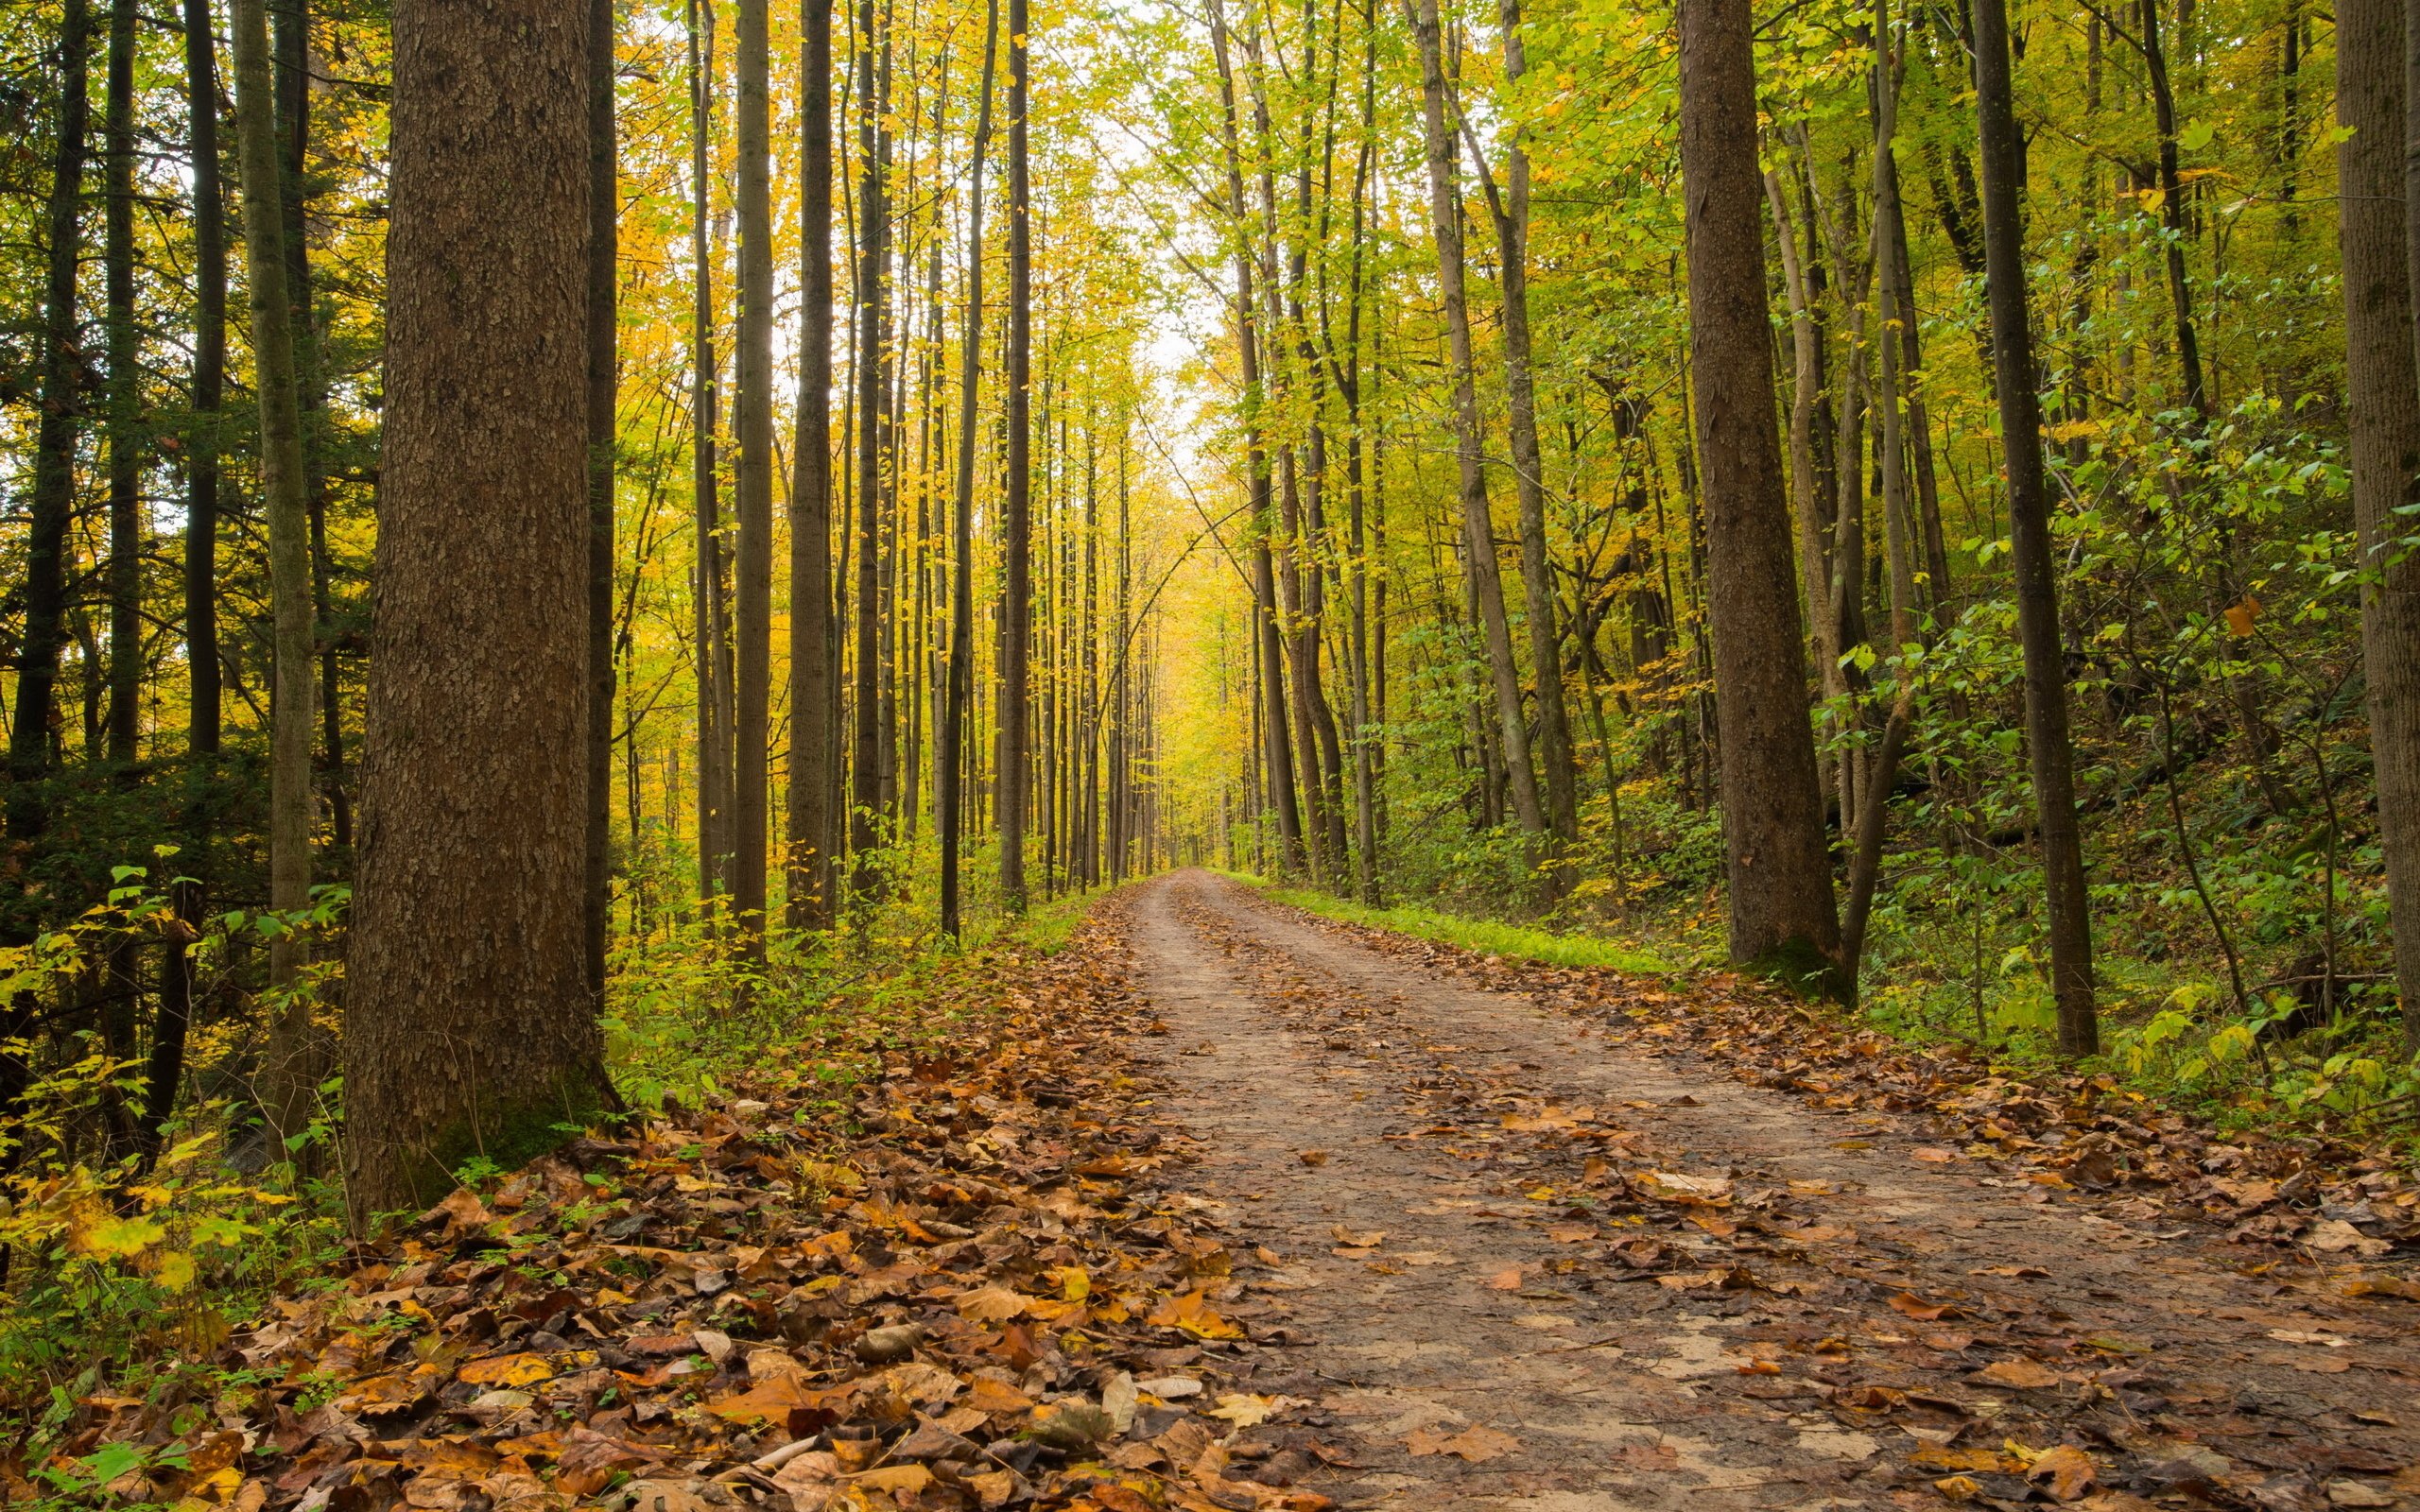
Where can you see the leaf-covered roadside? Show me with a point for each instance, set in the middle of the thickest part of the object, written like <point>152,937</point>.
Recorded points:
<point>2312,1193</point>
<point>932,1291</point>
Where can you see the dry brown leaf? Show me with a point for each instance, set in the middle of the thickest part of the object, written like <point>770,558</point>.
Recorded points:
<point>1476,1444</point>
<point>2064,1471</point>
<point>2018,1374</point>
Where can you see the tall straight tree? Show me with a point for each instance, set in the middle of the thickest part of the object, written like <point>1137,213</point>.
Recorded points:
<point>203,678</point>
<point>949,745</point>
<point>1509,210</point>
<point>2382,382</point>
<point>290,1076</point>
<point>1017,607</point>
<point>1275,748</point>
<point>604,195</point>
<point>2030,550</point>
<point>124,346</point>
<point>1479,530</point>
<point>753,618</point>
<point>814,740</point>
<point>712,641</point>
<point>469,1025</point>
<point>165,1072</point>
<point>1781,915</point>
<point>56,428</point>
<point>874,402</point>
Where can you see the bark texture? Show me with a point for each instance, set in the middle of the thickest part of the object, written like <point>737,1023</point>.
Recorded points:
<point>1016,608</point>
<point>752,616</point>
<point>814,742</point>
<point>289,1074</point>
<point>469,1025</point>
<point>2382,381</point>
<point>604,192</point>
<point>203,680</point>
<point>53,498</point>
<point>1781,915</point>
<point>2030,549</point>
<point>1478,532</point>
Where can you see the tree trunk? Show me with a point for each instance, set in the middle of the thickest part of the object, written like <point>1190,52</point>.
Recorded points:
<point>874,404</point>
<point>2377,240</point>
<point>714,692</point>
<point>1511,216</point>
<point>1275,748</point>
<point>470,1029</point>
<point>948,748</point>
<point>1874,804</point>
<point>604,201</point>
<point>123,344</point>
<point>2037,589</point>
<point>56,429</point>
<point>1782,916</point>
<point>1478,531</point>
<point>1807,383</point>
<point>289,1075</point>
<point>753,617</point>
<point>1017,605</point>
<point>814,738</point>
<point>202,679</point>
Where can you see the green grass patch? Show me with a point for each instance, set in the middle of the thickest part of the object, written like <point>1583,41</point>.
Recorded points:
<point>1486,936</point>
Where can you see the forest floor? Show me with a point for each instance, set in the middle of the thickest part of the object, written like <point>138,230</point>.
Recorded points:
<point>1223,1206</point>
<point>1529,1257</point>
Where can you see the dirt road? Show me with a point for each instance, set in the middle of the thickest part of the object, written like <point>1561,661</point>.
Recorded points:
<point>1511,1260</point>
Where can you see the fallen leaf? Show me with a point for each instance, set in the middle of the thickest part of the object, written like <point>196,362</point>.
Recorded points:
<point>1922,1310</point>
<point>1192,1313</point>
<point>507,1370</point>
<point>1476,1444</point>
<point>2019,1374</point>
<point>1249,1410</point>
<point>992,1304</point>
<point>2064,1471</point>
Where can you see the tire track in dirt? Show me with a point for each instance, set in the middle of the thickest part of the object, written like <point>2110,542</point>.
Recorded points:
<point>1724,1296</point>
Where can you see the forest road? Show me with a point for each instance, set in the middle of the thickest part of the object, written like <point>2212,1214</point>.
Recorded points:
<point>1422,1183</point>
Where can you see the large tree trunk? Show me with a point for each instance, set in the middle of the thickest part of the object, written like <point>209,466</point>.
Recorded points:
<point>604,195</point>
<point>874,403</point>
<point>814,740</point>
<point>1017,605</point>
<point>288,1078</point>
<point>2377,240</point>
<point>1479,530</point>
<point>711,638</point>
<point>2029,513</point>
<point>1782,916</point>
<point>122,343</point>
<point>469,1027</point>
<point>56,428</point>
<point>203,678</point>
<point>949,745</point>
<point>753,617</point>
